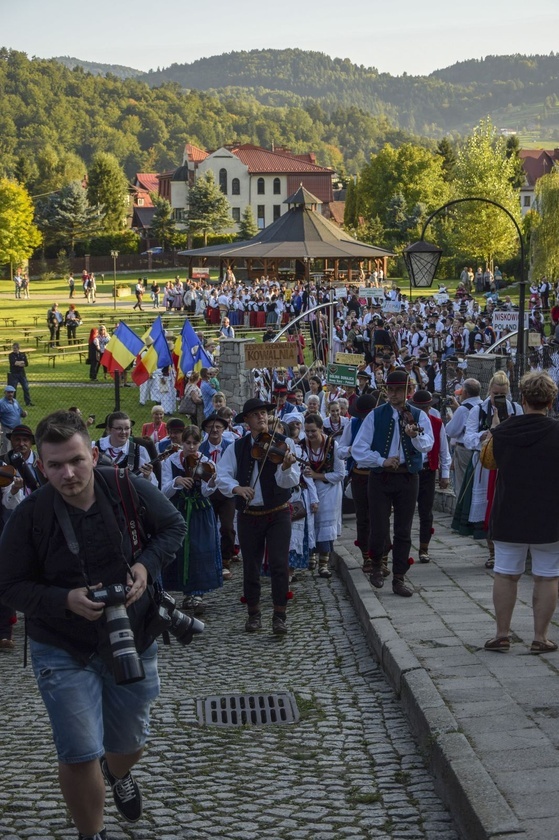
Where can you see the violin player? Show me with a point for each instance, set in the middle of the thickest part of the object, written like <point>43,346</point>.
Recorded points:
<point>262,490</point>
<point>391,442</point>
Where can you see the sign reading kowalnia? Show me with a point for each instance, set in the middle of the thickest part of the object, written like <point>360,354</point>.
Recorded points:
<point>270,355</point>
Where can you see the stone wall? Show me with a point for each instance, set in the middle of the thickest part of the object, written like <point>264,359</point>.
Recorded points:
<point>236,382</point>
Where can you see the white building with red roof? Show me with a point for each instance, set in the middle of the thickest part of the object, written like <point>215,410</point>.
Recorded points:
<point>536,162</point>
<point>251,176</point>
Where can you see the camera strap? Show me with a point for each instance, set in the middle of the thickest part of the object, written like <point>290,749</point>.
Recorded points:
<point>131,513</point>
<point>63,517</point>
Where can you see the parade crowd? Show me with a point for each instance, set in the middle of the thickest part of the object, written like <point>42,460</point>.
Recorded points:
<point>204,492</point>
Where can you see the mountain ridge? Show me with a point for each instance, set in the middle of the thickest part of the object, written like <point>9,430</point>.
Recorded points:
<point>449,100</point>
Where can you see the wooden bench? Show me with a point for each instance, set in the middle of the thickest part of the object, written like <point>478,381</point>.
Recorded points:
<point>4,354</point>
<point>82,350</point>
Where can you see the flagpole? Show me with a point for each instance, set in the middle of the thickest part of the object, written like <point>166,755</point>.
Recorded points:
<point>117,390</point>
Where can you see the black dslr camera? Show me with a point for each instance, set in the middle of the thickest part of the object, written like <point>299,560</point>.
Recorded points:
<point>166,618</point>
<point>127,665</point>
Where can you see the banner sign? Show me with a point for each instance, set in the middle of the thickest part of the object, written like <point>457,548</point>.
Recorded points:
<point>508,321</point>
<point>270,355</point>
<point>341,375</point>
<point>350,359</point>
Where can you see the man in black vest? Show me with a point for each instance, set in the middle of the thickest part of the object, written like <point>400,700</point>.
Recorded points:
<point>391,443</point>
<point>262,491</point>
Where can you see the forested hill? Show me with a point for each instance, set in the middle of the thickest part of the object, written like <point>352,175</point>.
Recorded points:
<point>53,121</point>
<point>118,70</point>
<point>514,90</point>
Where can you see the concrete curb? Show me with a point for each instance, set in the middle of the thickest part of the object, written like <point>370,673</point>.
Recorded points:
<point>477,806</point>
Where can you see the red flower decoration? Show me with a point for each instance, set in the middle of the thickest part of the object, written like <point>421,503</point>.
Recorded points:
<point>243,599</point>
<point>356,542</point>
<point>411,561</point>
<point>432,531</point>
<point>290,596</point>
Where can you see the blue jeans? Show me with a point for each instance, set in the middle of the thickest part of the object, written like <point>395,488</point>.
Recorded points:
<point>89,713</point>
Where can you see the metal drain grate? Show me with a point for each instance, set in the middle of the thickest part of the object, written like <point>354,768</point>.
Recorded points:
<point>241,709</point>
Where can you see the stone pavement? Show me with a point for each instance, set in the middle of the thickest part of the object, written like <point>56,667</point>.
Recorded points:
<point>348,769</point>
<point>486,721</point>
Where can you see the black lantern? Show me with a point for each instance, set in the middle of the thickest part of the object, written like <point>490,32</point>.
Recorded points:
<point>422,260</point>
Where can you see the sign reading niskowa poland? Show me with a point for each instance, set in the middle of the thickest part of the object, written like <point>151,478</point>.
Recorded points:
<point>270,355</point>
<point>508,321</point>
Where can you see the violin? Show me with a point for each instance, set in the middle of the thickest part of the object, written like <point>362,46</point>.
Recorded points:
<point>7,475</point>
<point>170,450</point>
<point>409,420</point>
<point>198,469</point>
<point>273,447</point>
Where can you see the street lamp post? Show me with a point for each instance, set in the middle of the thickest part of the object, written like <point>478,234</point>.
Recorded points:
<point>422,260</point>
<point>114,255</point>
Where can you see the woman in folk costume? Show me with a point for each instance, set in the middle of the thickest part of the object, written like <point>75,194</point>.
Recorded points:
<point>327,470</point>
<point>474,501</point>
<point>302,530</point>
<point>188,484</point>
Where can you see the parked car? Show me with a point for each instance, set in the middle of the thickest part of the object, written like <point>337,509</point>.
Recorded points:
<point>152,251</point>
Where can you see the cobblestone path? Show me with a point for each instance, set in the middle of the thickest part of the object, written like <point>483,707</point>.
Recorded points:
<point>348,769</point>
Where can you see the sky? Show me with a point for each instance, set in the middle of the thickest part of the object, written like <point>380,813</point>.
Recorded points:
<point>395,36</point>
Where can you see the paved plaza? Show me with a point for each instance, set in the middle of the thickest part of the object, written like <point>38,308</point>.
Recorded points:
<point>486,721</point>
<point>349,768</point>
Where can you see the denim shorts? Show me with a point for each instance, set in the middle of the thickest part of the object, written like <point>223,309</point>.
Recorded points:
<point>89,713</point>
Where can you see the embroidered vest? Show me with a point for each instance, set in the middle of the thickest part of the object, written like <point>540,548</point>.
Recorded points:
<point>384,432</point>
<point>272,495</point>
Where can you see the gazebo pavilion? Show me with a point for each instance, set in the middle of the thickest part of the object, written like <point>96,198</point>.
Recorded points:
<point>302,235</point>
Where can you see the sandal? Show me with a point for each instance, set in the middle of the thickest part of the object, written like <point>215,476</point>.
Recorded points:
<point>543,647</point>
<point>499,645</point>
<point>490,563</point>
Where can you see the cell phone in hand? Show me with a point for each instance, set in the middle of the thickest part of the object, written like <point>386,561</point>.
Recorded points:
<point>501,405</point>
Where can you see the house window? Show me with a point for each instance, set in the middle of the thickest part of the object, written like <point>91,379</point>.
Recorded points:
<point>526,201</point>
<point>277,211</point>
<point>236,213</point>
<point>223,181</point>
<point>141,202</point>
<point>260,186</point>
<point>260,217</point>
<point>277,186</point>
<point>235,187</point>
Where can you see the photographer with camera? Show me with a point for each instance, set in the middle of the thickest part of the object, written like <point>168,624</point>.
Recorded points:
<point>78,565</point>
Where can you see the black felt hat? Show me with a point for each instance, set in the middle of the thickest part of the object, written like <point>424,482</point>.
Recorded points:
<point>254,404</point>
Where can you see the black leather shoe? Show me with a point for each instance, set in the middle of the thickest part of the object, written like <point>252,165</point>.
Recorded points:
<point>253,623</point>
<point>399,587</point>
<point>279,626</point>
<point>376,578</point>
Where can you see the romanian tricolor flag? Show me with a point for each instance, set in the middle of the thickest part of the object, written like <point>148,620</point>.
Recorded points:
<point>122,348</point>
<point>189,351</point>
<point>156,356</point>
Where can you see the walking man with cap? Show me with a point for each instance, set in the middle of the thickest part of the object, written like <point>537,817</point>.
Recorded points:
<point>438,458</point>
<point>11,414</point>
<point>262,491</point>
<point>391,443</point>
